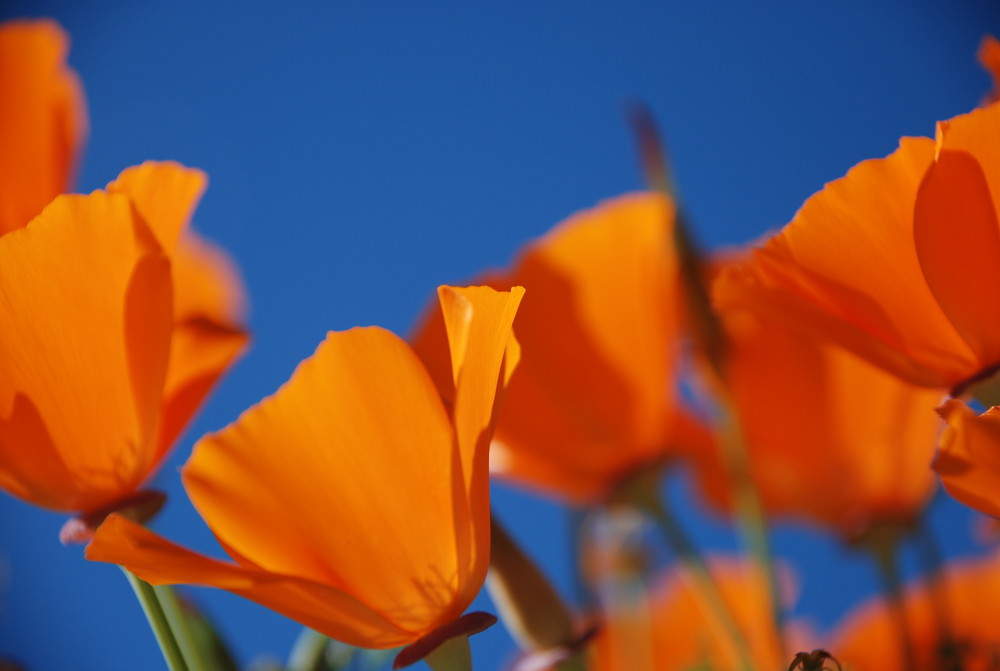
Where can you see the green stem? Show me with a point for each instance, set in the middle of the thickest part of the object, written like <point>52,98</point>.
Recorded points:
<point>694,564</point>
<point>933,569</point>
<point>309,651</point>
<point>157,622</point>
<point>178,623</point>
<point>884,549</point>
<point>452,655</point>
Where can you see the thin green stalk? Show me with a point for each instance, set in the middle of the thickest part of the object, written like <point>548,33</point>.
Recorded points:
<point>452,655</point>
<point>884,550</point>
<point>933,570</point>
<point>710,337</point>
<point>309,651</point>
<point>695,565</point>
<point>178,622</point>
<point>157,622</point>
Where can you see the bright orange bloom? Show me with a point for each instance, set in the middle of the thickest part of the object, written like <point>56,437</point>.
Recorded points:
<point>968,459</point>
<point>42,119</point>
<point>989,58</point>
<point>352,500</point>
<point>593,398</point>
<point>831,438</point>
<point>111,341</point>
<point>675,632</point>
<point>899,261</point>
<point>966,607</point>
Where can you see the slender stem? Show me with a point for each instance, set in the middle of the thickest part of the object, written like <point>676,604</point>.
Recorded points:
<point>884,549</point>
<point>178,622</point>
<point>157,622</point>
<point>308,651</point>
<point>452,655</point>
<point>706,588</point>
<point>933,570</point>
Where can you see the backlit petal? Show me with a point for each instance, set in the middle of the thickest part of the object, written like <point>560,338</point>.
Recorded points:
<point>342,477</point>
<point>315,605</point>
<point>42,119</point>
<point>86,296</point>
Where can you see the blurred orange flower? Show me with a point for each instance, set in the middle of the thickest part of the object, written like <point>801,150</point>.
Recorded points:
<point>964,607</point>
<point>989,58</point>
<point>593,398</point>
<point>671,631</point>
<point>968,459</point>
<point>42,119</point>
<point>876,262</point>
<point>119,322</point>
<point>351,500</point>
<point>831,438</point>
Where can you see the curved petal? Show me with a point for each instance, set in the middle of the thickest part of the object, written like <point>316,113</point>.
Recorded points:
<point>478,323</point>
<point>957,238</point>
<point>968,459</point>
<point>165,194</point>
<point>343,477</point>
<point>208,333</point>
<point>849,256</point>
<point>86,296</point>
<point>315,605</point>
<point>989,57</point>
<point>42,119</point>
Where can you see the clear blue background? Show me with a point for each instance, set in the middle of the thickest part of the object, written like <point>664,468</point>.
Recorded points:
<point>361,153</point>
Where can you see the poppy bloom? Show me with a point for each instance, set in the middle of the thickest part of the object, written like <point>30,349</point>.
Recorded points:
<point>119,322</point>
<point>42,119</point>
<point>593,397</point>
<point>672,631</point>
<point>898,261</point>
<point>831,438</point>
<point>951,628</point>
<point>989,57</point>
<point>968,459</point>
<point>351,500</point>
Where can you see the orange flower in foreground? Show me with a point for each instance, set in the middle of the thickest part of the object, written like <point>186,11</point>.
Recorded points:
<point>965,607</point>
<point>898,261</point>
<point>42,119</point>
<point>118,323</point>
<point>351,500</point>
<point>593,398</point>
<point>968,459</point>
<point>673,632</point>
<point>831,438</point>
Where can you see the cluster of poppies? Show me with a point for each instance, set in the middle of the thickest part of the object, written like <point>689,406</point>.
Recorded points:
<point>808,378</point>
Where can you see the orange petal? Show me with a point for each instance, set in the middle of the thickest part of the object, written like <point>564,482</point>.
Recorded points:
<point>848,257</point>
<point>208,334</point>
<point>42,119</point>
<point>314,604</point>
<point>989,58</point>
<point>600,290</point>
<point>87,301</point>
<point>165,195</point>
<point>968,460</point>
<point>478,322</point>
<point>343,477</point>
<point>957,239</point>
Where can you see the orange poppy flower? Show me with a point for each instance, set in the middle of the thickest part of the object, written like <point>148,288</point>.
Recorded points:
<point>965,608</point>
<point>968,459</point>
<point>42,119</point>
<point>593,398</point>
<point>876,261</point>
<point>831,438</point>
<point>672,631</point>
<point>989,57</point>
<point>351,500</point>
<point>112,340</point>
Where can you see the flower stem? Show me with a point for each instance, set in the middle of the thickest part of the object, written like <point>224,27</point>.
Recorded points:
<point>178,623</point>
<point>452,655</point>
<point>157,622</point>
<point>884,548</point>
<point>308,651</point>
<point>696,568</point>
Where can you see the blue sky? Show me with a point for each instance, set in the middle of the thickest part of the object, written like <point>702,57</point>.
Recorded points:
<point>362,153</point>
